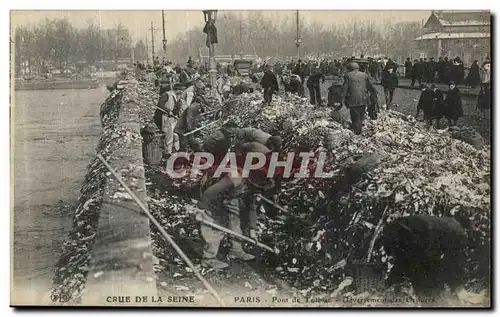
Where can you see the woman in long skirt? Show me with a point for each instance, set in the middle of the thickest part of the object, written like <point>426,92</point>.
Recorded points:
<point>453,105</point>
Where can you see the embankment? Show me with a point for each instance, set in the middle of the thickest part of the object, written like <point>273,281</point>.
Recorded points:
<point>107,255</point>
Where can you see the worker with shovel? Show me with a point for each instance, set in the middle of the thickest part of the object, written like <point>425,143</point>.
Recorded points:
<point>168,111</point>
<point>230,202</point>
<point>224,204</point>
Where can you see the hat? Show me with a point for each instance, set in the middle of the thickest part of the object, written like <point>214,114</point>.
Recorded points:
<point>451,83</point>
<point>433,86</point>
<point>422,86</point>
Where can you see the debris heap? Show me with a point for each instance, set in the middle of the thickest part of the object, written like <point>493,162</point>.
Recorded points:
<point>330,222</point>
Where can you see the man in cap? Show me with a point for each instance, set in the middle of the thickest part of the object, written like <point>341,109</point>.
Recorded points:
<point>314,87</point>
<point>168,110</point>
<point>357,91</point>
<point>219,142</point>
<point>190,118</point>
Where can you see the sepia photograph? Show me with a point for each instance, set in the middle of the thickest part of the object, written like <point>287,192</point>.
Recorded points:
<point>251,158</point>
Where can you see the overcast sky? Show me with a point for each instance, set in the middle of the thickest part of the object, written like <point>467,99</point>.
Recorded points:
<point>177,22</point>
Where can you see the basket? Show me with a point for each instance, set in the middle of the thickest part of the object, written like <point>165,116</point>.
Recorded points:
<point>152,150</point>
<point>367,277</point>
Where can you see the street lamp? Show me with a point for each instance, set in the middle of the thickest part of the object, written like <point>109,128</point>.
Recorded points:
<point>210,17</point>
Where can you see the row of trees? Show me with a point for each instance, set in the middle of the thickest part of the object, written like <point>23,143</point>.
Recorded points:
<point>58,44</point>
<point>262,36</point>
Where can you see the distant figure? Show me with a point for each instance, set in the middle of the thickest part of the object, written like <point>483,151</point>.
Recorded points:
<point>335,94</point>
<point>425,70</point>
<point>357,91</point>
<point>270,84</point>
<point>313,84</point>
<point>190,62</point>
<point>438,106</point>
<point>426,104</point>
<point>473,79</point>
<point>453,105</point>
<point>484,98</point>
<point>390,83</point>
<point>446,71</point>
<point>415,73</point>
<point>432,65</point>
<point>408,67</point>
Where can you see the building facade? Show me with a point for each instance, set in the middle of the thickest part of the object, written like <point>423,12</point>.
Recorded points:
<point>466,34</point>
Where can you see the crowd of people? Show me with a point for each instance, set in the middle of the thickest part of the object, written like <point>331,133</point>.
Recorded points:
<point>352,84</point>
<point>443,71</point>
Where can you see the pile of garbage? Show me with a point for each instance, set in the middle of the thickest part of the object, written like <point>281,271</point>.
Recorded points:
<point>329,222</point>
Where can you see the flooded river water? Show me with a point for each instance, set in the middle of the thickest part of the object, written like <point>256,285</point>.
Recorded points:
<point>54,137</point>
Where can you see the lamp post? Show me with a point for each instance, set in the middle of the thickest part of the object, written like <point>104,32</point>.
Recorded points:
<point>210,17</point>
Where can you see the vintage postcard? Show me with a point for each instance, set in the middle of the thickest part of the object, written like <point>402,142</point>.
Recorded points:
<point>219,158</point>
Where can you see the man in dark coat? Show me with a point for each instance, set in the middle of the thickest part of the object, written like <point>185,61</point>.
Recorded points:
<point>313,84</point>
<point>416,73</point>
<point>473,79</point>
<point>278,69</point>
<point>453,105</point>
<point>438,105</point>
<point>335,93</point>
<point>429,251</point>
<point>269,83</point>
<point>390,83</point>
<point>373,69</point>
<point>408,67</point>
<point>425,70</point>
<point>426,104</point>
<point>440,69</point>
<point>357,91</point>
<point>446,70</point>
<point>432,70</point>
